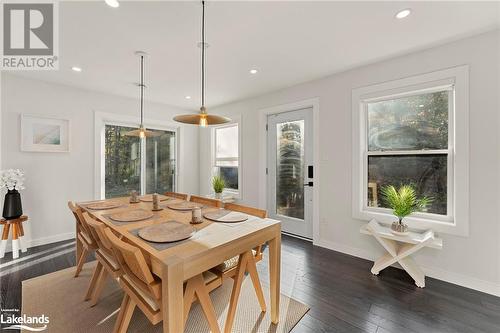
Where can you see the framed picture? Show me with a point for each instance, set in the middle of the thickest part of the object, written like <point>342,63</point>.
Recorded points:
<point>44,134</point>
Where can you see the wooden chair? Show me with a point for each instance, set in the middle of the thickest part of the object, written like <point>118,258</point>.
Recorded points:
<point>85,242</point>
<point>236,268</point>
<point>176,195</point>
<point>206,201</point>
<point>144,290</point>
<point>107,265</point>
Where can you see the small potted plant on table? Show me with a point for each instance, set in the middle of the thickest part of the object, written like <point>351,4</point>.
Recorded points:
<point>403,202</point>
<point>218,185</point>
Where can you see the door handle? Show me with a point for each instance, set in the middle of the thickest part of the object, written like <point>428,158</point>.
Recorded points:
<point>309,184</point>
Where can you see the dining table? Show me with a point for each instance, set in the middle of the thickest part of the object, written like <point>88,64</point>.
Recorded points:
<point>212,243</point>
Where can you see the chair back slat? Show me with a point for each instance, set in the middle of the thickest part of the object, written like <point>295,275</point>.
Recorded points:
<point>131,260</point>
<point>78,213</point>
<point>247,210</point>
<point>176,195</point>
<point>206,201</point>
<point>97,229</point>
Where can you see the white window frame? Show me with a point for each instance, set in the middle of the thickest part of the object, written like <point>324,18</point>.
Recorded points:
<point>235,121</point>
<point>101,119</point>
<point>455,79</point>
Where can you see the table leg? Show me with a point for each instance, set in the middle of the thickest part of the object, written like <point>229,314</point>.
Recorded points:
<point>22,242</point>
<point>5,237</point>
<point>275,272</point>
<point>172,301</point>
<point>15,241</point>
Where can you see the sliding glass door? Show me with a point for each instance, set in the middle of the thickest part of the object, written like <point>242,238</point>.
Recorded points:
<point>130,163</point>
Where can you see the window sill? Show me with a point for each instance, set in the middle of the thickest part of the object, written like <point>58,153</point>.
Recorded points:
<point>418,223</point>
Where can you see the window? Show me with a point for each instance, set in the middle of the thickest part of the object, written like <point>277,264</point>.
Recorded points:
<point>130,163</point>
<point>413,131</point>
<point>226,156</point>
<point>407,143</point>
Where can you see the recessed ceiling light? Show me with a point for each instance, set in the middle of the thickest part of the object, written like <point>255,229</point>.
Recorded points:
<point>188,97</point>
<point>253,71</point>
<point>112,3</point>
<point>403,13</point>
<point>76,69</point>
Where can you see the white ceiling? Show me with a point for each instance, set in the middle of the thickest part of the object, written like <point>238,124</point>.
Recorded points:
<point>288,42</point>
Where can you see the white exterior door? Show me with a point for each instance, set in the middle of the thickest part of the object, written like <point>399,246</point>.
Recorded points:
<point>290,170</point>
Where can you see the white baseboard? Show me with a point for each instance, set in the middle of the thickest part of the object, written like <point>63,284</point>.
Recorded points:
<point>437,273</point>
<point>44,240</point>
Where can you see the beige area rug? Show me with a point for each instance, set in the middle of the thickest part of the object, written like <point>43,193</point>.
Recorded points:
<point>60,297</point>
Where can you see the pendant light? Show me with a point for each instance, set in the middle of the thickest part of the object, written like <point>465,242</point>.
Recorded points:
<point>141,132</point>
<point>202,118</point>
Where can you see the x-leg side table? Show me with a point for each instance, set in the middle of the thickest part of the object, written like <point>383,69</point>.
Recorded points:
<point>400,248</point>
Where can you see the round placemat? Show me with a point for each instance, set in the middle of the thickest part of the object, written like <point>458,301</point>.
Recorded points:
<point>225,216</point>
<point>131,215</point>
<point>186,205</point>
<point>149,198</point>
<point>103,205</point>
<point>168,232</point>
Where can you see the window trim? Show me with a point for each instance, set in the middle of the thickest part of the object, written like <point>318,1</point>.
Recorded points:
<point>237,194</point>
<point>457,219</point>
<point>101,119</point>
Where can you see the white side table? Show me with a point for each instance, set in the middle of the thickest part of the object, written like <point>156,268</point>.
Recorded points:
<point>400,248</point>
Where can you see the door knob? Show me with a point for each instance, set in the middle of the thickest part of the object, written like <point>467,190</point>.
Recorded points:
<point>309,184</point>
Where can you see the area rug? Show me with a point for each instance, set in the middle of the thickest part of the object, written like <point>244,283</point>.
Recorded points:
<point>59,296</point>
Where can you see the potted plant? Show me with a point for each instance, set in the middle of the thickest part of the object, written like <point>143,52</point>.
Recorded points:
<point>13,181</point>
<point>403,202</point>
<point>218,185</point>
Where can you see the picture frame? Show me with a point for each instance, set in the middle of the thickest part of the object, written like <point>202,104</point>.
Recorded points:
<point>44,134</point>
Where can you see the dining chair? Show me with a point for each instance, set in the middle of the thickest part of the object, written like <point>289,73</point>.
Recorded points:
<point>236,268</point>
<point>84,238</point>
<point>144,290</point>
<point>107,265</point>
<point>176,195</point>
<point>206,201</point>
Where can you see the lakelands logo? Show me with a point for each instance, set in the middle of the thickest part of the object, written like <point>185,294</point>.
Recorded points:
<point>33,324</point>
<point>30,36</point>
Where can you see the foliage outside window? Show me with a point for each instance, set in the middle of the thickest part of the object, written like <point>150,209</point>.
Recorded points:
<point>123,155</point>
<point>226,157</point>
<point>408,144</point>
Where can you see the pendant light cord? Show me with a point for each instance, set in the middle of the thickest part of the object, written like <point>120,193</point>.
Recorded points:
<point>142,90</point>
<point>203,55</point>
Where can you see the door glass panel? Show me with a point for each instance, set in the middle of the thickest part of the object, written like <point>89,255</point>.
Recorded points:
<point>290,169</point>
<point>122,162</point>
<point>160,162</point>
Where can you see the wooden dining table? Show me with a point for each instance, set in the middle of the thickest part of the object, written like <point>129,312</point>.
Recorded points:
<point>212,243</point>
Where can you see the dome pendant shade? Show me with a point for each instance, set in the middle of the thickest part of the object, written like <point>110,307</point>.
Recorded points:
<point>142,133</point>
<point>202,118</point>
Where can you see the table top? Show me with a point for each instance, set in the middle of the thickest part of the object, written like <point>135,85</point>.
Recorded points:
<point>19,219</point>
<point>210,236</point>
<point>412,237</point>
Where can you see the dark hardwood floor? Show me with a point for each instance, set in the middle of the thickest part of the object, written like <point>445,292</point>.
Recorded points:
<point>342,293</point>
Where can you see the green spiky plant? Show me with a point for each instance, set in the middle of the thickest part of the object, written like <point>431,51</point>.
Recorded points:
<point>404,201</point>
<point>218,184</point>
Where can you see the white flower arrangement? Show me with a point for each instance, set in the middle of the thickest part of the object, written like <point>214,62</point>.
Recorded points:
<point>12,179</point>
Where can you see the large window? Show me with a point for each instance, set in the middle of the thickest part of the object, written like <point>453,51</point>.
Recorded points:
<point>226,155</point>
<point>130,163</point>
<point>407,143</point>
<point>413,131</point>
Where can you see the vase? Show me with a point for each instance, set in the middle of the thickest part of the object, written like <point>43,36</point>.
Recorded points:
<point>218,196</point>
<point>12,207</point>
<point>399,228</point>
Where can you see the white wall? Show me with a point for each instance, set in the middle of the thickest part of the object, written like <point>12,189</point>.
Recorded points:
<point>54,178</point>
<point>473,261</point>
